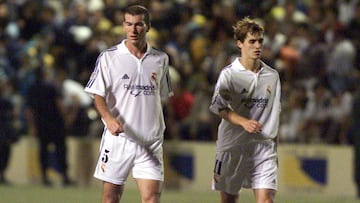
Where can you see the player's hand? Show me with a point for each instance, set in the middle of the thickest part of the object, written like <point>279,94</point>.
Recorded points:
<point>252,126</point>
<point>114,126</point>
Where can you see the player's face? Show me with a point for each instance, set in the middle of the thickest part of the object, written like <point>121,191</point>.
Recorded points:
<point>252,46</point>
<point>135,28</point>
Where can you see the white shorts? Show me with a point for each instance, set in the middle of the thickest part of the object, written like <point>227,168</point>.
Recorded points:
<point>118,156</point>
<point>252,165</point>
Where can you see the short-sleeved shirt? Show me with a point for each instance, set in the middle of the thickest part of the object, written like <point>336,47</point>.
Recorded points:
<point>133,90</point>
<point>252,95</point>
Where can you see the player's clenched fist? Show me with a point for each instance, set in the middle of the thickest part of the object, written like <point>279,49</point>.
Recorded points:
<point>252,126</point>
<point>114,126</point>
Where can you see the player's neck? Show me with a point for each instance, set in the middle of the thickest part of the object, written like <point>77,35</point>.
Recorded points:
<point>253,65</point>
<point>137,49</point>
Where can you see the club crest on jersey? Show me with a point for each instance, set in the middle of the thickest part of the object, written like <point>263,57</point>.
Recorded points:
<point>268,89</point>
<point>103,167</point>
<point>154,76</point>
<point>153,79</point>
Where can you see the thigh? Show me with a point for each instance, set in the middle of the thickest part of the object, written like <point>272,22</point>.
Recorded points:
<point>263,157</point>
<point>228,198</point>
<point>112,192</point>
<point>148,163</point>
<point>264,195</point>
<point>150,190</point>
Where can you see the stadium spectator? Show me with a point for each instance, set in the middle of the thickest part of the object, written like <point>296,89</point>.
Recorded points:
<point>179,109</point>
<point>78,122</point>
<point>201,119</point>
<point>311,66</point>
<point>339,116</point>
<point>353,29</point>
<point>274,40</point>
<point>292,129</point>
<point>46,116</point>
<point>8,130</point>
<point>316,113</point>
<point>353,136</point>
<point>342,54</point>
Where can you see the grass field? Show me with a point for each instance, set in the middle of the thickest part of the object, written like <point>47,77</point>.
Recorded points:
<point>39,194</point>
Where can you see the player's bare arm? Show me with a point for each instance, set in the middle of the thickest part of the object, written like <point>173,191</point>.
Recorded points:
<point>251,126</point>
<point>113,125</point>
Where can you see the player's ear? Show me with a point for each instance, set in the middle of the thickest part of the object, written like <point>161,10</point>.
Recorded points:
<point>239,44</point>
<point>148,27</point>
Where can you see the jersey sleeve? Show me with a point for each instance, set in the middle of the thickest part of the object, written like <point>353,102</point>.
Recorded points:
<point>222,94</point>
<point>99,78</point>
<point>166,89</point>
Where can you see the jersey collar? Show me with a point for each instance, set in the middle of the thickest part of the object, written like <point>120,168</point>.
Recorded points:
<point>236,63</point>
<point>123,49</point>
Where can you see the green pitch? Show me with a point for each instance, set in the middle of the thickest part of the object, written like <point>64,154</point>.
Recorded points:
<point>39,194</point>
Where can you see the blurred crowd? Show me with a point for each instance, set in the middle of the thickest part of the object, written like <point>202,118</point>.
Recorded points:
<point>314,45</point>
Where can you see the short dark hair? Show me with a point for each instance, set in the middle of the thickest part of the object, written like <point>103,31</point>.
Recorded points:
<point>139,10</point>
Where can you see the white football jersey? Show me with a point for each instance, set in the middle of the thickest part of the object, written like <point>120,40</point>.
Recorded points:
<point>252,95</point>
<point>133,89</point>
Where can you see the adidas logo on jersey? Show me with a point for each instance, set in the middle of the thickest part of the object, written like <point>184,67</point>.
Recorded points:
<point>125,77</point>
